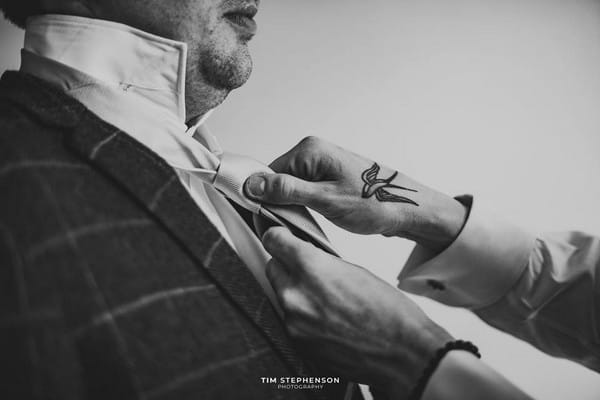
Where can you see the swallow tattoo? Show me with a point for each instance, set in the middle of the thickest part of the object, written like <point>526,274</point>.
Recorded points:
<point>375,186</point>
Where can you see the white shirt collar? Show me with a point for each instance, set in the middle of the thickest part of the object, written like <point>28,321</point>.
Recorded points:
<point>131,79</point>
<point>135,81</point>
<point>115,54</point>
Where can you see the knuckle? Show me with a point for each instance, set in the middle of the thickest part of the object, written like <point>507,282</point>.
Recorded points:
<point>297,303</point>
<point>310,142</point>
<point>290,299</point>
<point>281,187</point>
<point>272,237</point>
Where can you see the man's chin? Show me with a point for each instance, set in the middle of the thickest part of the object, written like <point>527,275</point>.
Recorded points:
<point>239,81</point>
<point>228,74</point>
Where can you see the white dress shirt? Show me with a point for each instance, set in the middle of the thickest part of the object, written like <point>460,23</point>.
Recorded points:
<point>136,81</point>
<point>544,290</point>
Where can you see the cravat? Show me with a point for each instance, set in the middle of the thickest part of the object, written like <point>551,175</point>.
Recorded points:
<point>227,172</point>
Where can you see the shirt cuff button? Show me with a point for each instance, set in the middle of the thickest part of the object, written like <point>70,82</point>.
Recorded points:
<point>436,285</point>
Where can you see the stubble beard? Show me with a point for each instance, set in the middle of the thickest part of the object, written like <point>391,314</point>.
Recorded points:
<point>212,74</point>
<point>226,71</point>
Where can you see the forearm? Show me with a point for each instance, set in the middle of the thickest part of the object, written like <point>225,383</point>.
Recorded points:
<point>541,290</point>
<point>421,214</point>
<point>555,302</point>
<point>434,222</point>
<point>462,376</point>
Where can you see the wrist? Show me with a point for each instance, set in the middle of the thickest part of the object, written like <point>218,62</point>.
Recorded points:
<point>457,368</point>
<point>462,376</point>
<point>436,360</point>
<point>411,363</point>
<point>436,223</point>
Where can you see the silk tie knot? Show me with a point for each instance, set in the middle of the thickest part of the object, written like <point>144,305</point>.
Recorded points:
<point>233,171</point>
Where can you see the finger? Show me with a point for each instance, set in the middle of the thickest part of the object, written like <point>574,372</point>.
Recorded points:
<point>304,151</point>
<point>309,160</point>
<point>287,249</point>
<point>279,276</point>
<point>285,164</point>
<point>286,189</point>
<point>281,281</point>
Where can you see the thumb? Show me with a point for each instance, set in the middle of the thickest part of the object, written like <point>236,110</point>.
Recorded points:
<point>285,189</point>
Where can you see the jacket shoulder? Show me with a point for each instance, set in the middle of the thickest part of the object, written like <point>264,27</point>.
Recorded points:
<point>24,135</point>
<point>32,110</point>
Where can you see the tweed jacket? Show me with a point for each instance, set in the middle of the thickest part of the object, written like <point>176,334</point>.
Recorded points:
<point>114,285</point>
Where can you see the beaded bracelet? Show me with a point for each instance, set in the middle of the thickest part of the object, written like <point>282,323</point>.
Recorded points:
<point>417,392</point>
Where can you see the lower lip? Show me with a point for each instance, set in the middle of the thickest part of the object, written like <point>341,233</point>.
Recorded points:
<point>245,25</point>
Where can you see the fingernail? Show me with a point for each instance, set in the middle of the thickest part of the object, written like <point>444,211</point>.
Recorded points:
<point>256,186</point>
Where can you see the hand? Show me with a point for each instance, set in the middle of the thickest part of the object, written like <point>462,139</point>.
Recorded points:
<point>359,195</point>
<point>352,322</point>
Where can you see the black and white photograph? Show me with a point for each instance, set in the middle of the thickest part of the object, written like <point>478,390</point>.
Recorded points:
<point>303,200</point>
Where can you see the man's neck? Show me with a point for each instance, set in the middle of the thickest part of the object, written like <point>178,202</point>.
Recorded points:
<point>200,98</point>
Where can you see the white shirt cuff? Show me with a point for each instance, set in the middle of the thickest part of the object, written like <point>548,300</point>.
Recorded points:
<point>477,269</point>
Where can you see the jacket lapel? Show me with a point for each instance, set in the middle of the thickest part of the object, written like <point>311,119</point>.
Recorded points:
<point>155,185</point>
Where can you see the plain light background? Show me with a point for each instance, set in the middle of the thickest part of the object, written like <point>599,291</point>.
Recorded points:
<point>496,98</point>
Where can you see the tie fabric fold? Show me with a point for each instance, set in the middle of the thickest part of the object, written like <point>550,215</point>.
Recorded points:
<point>202,158</point>
<point>233,171</point>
